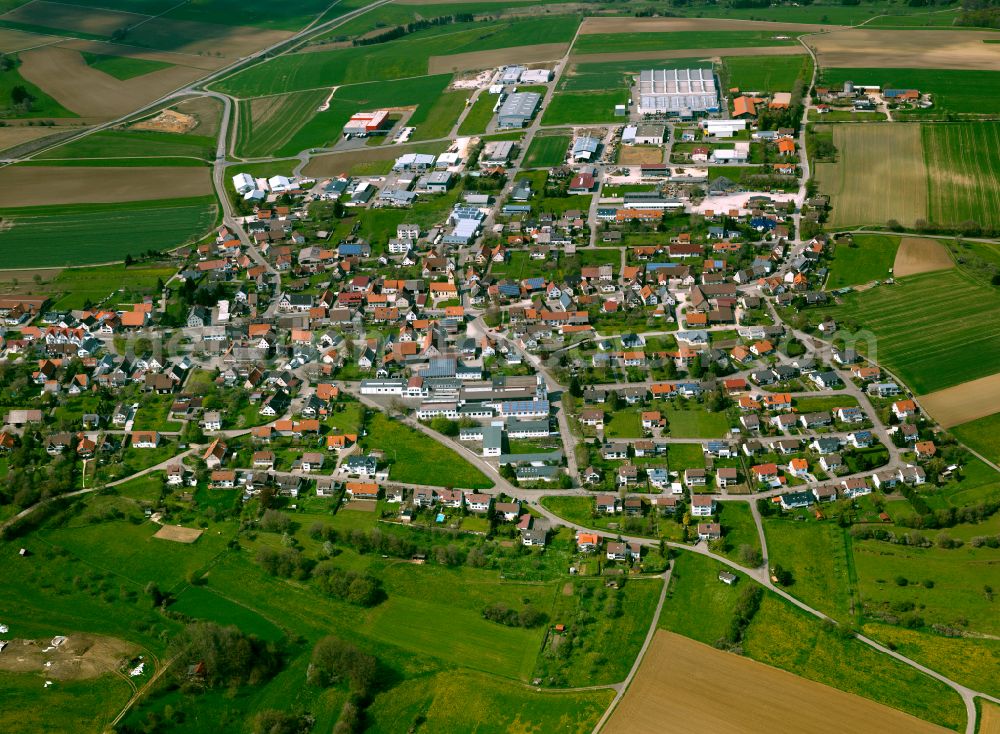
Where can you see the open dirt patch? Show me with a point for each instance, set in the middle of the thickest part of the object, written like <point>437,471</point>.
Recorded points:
<point>610,24</point>
<point>361,505</point>
<point>168,121</point>
<point>920,255</point>
<point>74,18</point>
<point>178,534</point>
<point>213,39</point>
<point>90,93</point>
<point>635,154</point>
<point>708,54</point>
<point>102,48</point>
<point>79,657</point>
<point>693,685</point>
<point>474,60</point>
<point>41,185</point>
<point>964,402</point>
<point>869,48</point>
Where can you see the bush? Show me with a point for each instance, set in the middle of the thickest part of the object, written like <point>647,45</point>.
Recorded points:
<point>229,657</point>
<point>334,660</point>
<point>349,586</point>
<point>902,581</point>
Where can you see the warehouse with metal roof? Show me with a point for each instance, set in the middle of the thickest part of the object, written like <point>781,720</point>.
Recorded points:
<point>518,109</point>
<point>682,92</point>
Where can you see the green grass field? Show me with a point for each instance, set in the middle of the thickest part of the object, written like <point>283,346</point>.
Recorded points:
<point>520,266</point>
<point>695,423</point>
<point>982,435</point>
<point>681,456</point>
<point>202,603</point>
<point>406,57</point>
<point>284,117</point>
<point>419,459</point>
<point>817,554</point>
<point>610,43</point>
<point>787,637</point>
<point>965,92</point>
<point>870,258</point>
<point>765,73</point>
<point>140,147</point>
<point>479,116</point>
<point>963,169</point>
<point>583,107</point>
<point>442,705</point>
<point>436,120</point>
<point>933,330</point>
<point>698,605</point>
<point>956,599</point>
<point>66,701</point>
<point>547,151</point>
<point>79,234</point>
<point>123,67</point>
<point>738,528</point>
<point>72,287</point>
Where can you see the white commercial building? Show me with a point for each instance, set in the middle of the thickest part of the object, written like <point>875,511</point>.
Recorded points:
<point>244,183</point>
<point>536,76</point>
<point>682,92</point>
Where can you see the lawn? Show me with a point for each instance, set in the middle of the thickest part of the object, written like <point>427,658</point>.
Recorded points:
<point>624,424</point>
<point>765,73</point>
<point>73,287</point>
<point>818,555</point>
<point>789,638</point>
<point>478,118</point>
<point>418,459</point>
<point>608,43</point>
<point>519,266</point>
<point>153,414</point>
<point>695,423</point>
<point>698,605</point>
<point>738,528</point>
<point>547,151</point>
<point>918,321</point>
<point>681,456</point>
<point>122,67</point>
<point>869,257</point>
<point>583,107</point>
<point>79,234</point>
<point>817,403</point>
<point>982,435</point>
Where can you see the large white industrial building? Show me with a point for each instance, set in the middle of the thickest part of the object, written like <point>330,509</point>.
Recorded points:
<point>681,92</point>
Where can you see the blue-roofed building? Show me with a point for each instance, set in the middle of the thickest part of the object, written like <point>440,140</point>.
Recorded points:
<point>763,224</point>
<point>524,408</point>
<point>607,213</point>
<point>533,284</point>
<point>659,266</point>
<point>517,208</point>
<point>354,249</point>
<point>511,290</point>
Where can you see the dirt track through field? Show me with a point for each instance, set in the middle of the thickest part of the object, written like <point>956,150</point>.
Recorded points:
<point>11,40</point>
<point>41,185</point>
<point>62,73</point>
<point>474,60</point>
<point>870,48</point>
<point>608,24</point>
<point>713,54</point>
<point>920,255</point>
<point>683,686</point>
<point>965,402</point>
<point>869,187</point>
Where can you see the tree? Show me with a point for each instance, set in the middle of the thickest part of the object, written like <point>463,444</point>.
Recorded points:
<point>21,97</point>
<point>574,387</point>
<point>334,660</point>
<point>750,556</point>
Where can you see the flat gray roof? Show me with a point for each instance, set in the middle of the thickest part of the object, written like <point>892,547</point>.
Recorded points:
<point>673,90</point>
<point>520,104</point>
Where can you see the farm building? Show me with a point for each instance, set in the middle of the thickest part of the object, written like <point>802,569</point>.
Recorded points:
<point>366,123</point>
<point>518,109</point>
<point>682,92</point>
<point>585,148</point>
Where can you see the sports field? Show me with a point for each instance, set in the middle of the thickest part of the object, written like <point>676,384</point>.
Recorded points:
<point>933,330</point>
<point>867,257</point>
<point>547,151</point>
<point>868,187</point>
<point>683,681</point>
<point>963,163</point>
<point>94,233</point>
